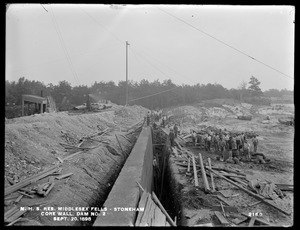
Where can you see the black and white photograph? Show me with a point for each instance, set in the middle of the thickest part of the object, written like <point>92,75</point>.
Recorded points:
<point>149,115</point>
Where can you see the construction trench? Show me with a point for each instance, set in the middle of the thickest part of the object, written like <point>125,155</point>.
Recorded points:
<point>145,169</point>
<point>75,181</point>
<point>133,177</point>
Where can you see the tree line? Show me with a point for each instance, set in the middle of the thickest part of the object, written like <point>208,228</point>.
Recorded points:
<point>151,95</point>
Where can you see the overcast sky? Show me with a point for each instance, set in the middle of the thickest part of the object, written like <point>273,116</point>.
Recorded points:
<point>187,44</point>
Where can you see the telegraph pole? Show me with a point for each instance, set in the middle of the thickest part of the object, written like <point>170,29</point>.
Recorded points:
<point>127,44</point>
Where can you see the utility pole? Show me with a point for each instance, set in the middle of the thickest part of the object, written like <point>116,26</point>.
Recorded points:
<point>127,44</point>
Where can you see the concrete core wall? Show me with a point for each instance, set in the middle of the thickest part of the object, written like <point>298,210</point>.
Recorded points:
<point>125,192</point>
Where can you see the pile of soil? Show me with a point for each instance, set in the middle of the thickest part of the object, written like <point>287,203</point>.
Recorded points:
<point>32,144</point>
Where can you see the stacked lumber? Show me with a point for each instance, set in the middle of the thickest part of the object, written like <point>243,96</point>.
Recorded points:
<point>154,214</point>
<point>13,215</point>
<point>31,179</point>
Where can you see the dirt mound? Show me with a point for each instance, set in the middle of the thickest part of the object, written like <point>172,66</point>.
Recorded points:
<point>35,143</point>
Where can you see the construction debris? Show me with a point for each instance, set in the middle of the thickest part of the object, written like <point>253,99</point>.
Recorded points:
<point>64,176</point>
<point>251,193</point>
<point>154,213</point>
<point>221,218</point>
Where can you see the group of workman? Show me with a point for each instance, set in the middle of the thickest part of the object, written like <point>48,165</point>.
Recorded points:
<point>221,141</point>
<point>236,145</point>
<point>156,116</point>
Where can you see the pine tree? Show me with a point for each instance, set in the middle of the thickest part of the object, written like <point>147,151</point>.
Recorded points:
<point>254,87</point>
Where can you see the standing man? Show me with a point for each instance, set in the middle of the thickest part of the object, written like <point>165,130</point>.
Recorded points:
<point>208,142</point>
<point>175,130</point>
<point>163,121</point>
<point>172,137</point>
<point>238,141</point>
<point>222,145</point>
<point>194,137</point>
<point>217,140</point>
<point>247,150</point>
<point>255,143</point>
<point>226,139</point>
<point>235,151</point>
<point>148,118</point>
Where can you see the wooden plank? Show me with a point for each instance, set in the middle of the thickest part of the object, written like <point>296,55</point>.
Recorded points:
<point>232,175</point>
<point>140,186</point>
<point>31,179</point>
<point>224,214</point>
<point>178,144</point>
<point>225,193</point>
<point>226,208</point>
<point>156,200</point>
<point>252,220</point>
<point>72,155</point>
<point>189,165</point>
<point>195,172</point>
<point>151,215</point>
<point>223,200</point>
<point>221,218</point>
<point>15,216</point>
<point>228,170</point>
<point>12,197</point>
<point>49,189</point>
<point>13,222</point>
<point>162,176</point>
<point>60,160</point>
<point>146,213</point>
<point>203,225</point>
<point>211,176</point>
<point>142,204</point>
<point>159,217</point>
<point>239,181</point>
<point>11,212</point>
<point>206,184</point>
<point>255,203</point>
<point>238,221</point>
<point>18,199</point>
<point>64,176</point>
<point>25,194</point>
<point>251,193</point>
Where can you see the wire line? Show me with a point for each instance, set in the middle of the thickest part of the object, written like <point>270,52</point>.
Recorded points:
<point>63,45</point>
<point>207,34</point>
<point>153,94</point>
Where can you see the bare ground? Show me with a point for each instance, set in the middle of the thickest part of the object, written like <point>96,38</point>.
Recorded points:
<point>32,144</point>
<point>276,141</point>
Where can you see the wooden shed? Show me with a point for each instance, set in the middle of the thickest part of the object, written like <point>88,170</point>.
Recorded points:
<point>40,101</point>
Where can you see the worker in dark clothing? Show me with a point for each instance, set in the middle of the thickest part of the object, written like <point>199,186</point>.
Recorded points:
<point>154,125</point>
<point>148,118</point>
<point>163,121</point>
<point>255,143</point>
<point>172,137</point>
<point>208,141</point>
<point>222,145</point>
<point>246,149</point>
<point>175,130</point>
